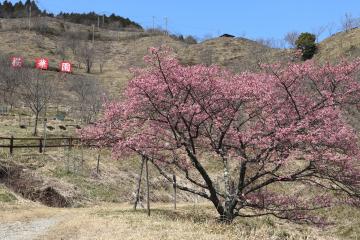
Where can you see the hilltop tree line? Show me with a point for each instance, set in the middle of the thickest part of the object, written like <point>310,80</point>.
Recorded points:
<point>21,10</point>
<point>112,21</point>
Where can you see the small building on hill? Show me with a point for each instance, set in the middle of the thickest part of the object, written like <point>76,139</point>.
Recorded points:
<point>227,35</point>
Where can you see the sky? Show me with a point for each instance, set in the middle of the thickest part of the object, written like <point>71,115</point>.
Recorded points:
<point>268,19</point>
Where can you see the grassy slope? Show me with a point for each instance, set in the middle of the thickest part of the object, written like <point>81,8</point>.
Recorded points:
<point>343,44</point>
<point>127,49</point>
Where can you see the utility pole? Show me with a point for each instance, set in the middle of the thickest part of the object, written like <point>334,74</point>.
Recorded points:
<point>166,25</point>
<point>45,126</point>
<point>30,17</point>
<point>147,187</point>
<point>93,34</point>
<point>103,20</point>
<point>174,186</point>
<point>153,22</point>
<point>98,23</point>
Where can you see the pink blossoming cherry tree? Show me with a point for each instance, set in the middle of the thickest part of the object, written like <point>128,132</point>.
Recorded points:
<point>269,143</point>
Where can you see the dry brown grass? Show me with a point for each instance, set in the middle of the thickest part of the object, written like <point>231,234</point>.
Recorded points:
<point>121,222</point>
<point>127,50</point>
<point>340,45</point>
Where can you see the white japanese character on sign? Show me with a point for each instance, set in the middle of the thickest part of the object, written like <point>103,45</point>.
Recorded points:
<point>66,67</point>
<point>43,63</point>
<point>17,62</point>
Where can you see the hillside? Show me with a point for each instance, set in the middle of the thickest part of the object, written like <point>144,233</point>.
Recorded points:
<point>342,44</point>
<point>19,9</point>
<point>70,176</point>
<point>126,49</point>
<point>237,54</point>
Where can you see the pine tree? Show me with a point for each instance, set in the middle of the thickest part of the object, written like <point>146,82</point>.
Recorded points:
<point>19,10</point>
<point>7,9</point>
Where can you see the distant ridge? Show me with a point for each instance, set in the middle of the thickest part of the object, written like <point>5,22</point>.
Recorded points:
<point>21,10</point>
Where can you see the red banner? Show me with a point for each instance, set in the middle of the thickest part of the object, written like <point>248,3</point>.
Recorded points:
<point>42,63</point>
<point>17,62</point>
<point>65,67</point>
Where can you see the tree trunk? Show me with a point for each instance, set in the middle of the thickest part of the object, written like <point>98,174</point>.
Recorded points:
<point>36,123</point>
<point>227,212</point>
<point>88,66</point>
<point>227,216</point>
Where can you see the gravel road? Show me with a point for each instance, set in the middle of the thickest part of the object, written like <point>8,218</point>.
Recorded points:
<point>26,230</point>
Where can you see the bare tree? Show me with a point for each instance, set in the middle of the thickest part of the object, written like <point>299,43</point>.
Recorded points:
<point>190,40</point>
<point>39,40</point>
<point>207,56</point>
<point>290,38</point>
<point>86,54</point>
<point>40,24</point>
<point>271,42</point>
<point>264,41</point>
<point>102,55</point>
<point>10,79</point>
<point>89,97</point>
<point>349,22</point>
<point>37,90</point>
<point>73,39</point>
<point>318,32</point>
<point>61,46</point>
<point>330,29</point>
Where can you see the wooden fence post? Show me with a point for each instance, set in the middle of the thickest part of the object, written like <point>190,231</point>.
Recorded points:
<point>11,145</point>
<point>147,187</point>
<point>70,143</point>
<point>40,145</point>
<point>137,197</point>
<point>82,156</point>
<point>98,164</point>
<point>174,186</point>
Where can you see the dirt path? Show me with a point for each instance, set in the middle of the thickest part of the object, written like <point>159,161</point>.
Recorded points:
<point>119,221</point>
<point>27,230</point>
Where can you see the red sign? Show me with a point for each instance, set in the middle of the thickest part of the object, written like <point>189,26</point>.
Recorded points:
<point>65,67</point>
<point>42,63</point>
<point>17,62</point>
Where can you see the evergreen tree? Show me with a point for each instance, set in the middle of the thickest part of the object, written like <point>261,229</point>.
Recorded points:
<point>306,43</point>
<point>7,9</point>
<point>1,10</point>
<point>19,10</point>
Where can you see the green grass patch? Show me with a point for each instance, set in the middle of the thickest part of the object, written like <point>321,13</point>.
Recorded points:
<point>93,190</point>
<point>5,196</point>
